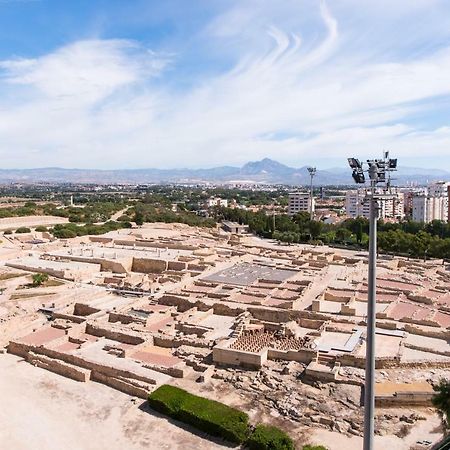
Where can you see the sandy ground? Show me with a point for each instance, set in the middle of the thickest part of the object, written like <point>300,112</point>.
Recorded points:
<point>30,221</point>
<point>423,430</point>
<point>44,411</point>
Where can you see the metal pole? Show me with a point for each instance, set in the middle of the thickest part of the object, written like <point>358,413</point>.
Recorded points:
<point>369,398</point>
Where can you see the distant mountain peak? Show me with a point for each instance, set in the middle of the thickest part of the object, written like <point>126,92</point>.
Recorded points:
<point>266,165</point>
<point>264,171</point>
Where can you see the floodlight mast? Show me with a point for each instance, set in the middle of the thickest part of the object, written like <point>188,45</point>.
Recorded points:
<point>312,172</point>
<point>377,174</point>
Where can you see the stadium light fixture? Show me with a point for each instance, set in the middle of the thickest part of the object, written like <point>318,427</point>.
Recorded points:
<point>379,171</point>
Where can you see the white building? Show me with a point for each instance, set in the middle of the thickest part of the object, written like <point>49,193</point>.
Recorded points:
<point>431,204</point>
<point>438,189</point>
<point>426,208</point>
<point>391,207</point>
<point>300,202</point>
<point>216,201</point>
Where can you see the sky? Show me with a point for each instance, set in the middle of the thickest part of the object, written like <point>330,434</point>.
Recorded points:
<point>122,84</point>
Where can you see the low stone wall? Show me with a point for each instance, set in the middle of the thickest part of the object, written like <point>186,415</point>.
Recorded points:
<point>121,384</point>
<point>21,349</point>
<point>400,399</point>
<point>427,349</point>
<point>176,372</point>
<point>222,355</point>
<point>302,356</point>
<point>439,334</point>
<point>147,265</point>
<point>176,265</point>
<point>174,342</point>
<point>125,318</point>
<point>131,338</point>
<point>72,318</point>
<point>59,367</point>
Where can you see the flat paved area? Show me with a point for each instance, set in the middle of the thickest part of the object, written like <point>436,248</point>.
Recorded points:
<point>44,411</point>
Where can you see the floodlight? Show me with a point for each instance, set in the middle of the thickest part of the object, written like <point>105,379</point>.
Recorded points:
<point>358,176</point>
<point>393,163</point>
<point>354,163</point>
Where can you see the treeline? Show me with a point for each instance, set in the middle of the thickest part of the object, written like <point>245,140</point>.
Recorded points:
<point>71,230</point>
<point>92,212</point>
<point>406,238</point>
<point>145,212</point>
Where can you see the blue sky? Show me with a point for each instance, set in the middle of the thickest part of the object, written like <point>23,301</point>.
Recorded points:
<point>176,83</point>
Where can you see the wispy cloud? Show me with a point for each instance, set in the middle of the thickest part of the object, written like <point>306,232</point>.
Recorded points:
<point>300,89</point>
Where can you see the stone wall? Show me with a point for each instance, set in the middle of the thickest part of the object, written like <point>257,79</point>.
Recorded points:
<point>147,265</point>
<point>59,367</point>
<point>222,355</point>
<point>122,384</point>
<point>400,399</point>
<point>126,338</point>
<point>21,349</point>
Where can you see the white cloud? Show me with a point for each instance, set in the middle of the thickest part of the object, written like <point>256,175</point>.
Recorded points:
<point>108,103</point>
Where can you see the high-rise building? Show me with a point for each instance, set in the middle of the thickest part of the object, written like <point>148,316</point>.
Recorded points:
<point>427,208</point>
<point>300,202</point>
<point>432,203</point>
<point>390,206</point>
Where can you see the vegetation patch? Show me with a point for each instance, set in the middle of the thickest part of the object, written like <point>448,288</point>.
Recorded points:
<point>265,437</point>
<point>8,276</point>
<point>23,230</point>
<point>29,295</point>
<point>207,415</point>
<point>71,230</point>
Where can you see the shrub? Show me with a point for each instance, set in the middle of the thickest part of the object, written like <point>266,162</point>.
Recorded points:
<point>210,416</point>
<point>314,447</point>
<point>41,229</point>
<point>266,437</point>
<point>7,232</point>
<point>39,278</point>
<point>23,230</point>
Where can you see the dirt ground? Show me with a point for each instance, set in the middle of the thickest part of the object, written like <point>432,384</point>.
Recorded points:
<point>44,411</point>
<point>30,221</point>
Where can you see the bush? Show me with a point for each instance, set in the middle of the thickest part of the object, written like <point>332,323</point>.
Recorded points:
<point>210,416</point>
<point>314,447</point>
<point>7,232</point>
<point>41,229</point>
<point>266,437</point>
<point>39,278</point>
<point>23,230</point>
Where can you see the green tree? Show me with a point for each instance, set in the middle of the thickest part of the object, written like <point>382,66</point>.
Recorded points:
<point>315,228</point>
<point>441,399</point>
<point>39,279</point>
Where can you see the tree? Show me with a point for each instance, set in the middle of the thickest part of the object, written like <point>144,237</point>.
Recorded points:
<point>39,279</point>
<point>139,217</point>
<point>315,228</point>
<point>441,399</point>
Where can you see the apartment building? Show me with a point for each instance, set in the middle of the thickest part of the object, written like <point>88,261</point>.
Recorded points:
<point>300,202</point>
<point>390,207</point>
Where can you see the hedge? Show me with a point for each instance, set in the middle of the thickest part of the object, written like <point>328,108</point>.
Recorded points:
<point>266,437</point>
<point>207,415</point>
<point>23,230</point>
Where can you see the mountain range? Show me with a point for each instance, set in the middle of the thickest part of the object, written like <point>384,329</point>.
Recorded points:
<point>264,171</point>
